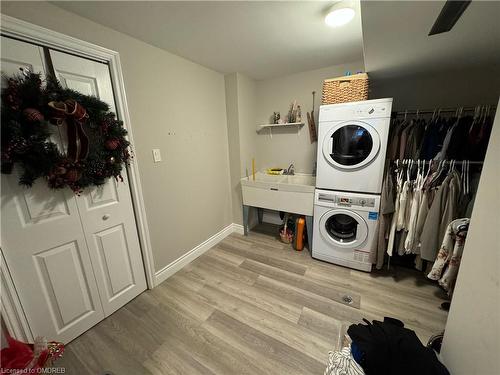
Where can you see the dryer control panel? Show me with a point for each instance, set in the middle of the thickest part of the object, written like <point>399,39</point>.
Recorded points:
<point>375,110</point>
<point>378,108</point>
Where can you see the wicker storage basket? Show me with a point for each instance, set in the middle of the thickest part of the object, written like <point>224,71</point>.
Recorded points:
<point>345,89</point>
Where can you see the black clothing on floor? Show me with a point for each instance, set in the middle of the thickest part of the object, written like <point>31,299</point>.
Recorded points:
<point>387,348</point>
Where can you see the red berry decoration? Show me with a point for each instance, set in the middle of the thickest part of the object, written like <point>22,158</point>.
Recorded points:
<point>112,144</point>
<point>33,115</point>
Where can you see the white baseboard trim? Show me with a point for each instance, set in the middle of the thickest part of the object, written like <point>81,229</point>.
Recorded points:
<point>237,228</point>
<point>179,263</point>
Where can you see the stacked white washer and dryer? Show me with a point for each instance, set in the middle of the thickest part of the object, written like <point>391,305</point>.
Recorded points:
<point>352,143</point>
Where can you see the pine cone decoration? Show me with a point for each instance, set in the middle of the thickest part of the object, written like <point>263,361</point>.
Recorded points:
<point>60,170</point>
<point>33,115</point>
<point>112,144</point>
<point>72,175</point>
<point>11,94</point>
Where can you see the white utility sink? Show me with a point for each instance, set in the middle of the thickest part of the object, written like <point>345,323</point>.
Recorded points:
<point>288,193</point>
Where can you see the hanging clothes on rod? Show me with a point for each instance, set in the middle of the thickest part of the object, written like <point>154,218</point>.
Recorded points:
<point>434,163</point>
<point>457,135</point>
<point>419,200</point>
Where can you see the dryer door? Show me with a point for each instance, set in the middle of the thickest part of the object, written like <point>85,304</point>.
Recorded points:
<point>351,145</point>
<point>343,228</point>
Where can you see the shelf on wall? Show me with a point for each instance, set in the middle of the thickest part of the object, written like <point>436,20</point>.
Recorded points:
<point>265,126</point>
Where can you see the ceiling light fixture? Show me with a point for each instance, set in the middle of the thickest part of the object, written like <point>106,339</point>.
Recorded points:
<point>339,15</point>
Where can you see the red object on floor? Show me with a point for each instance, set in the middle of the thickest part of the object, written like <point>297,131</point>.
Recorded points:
<point>20,356</point>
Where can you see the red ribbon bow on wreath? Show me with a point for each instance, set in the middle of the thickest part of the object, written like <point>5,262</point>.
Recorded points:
<point>75,116</point>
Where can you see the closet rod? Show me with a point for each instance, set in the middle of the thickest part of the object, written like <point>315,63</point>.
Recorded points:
<point>457,162</point>
<point>443,110</point>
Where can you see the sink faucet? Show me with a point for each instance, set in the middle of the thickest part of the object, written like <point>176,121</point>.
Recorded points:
<point>290,170</point>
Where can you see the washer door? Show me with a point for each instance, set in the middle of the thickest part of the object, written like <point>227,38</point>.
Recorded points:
<point>343,228</point>
<point>351,145</point>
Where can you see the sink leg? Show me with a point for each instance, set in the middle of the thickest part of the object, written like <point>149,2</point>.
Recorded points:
<point>246,211</point>
<point>260,214</point>
<point>309,225</point>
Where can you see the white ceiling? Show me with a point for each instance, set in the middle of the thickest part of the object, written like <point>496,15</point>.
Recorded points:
<point>261,39</point>
<point>396,40</point>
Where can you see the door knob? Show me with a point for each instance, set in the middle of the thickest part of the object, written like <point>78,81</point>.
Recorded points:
<point>106,217</point>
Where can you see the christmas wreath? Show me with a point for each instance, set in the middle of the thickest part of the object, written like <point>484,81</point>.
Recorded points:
<point>35,116</point>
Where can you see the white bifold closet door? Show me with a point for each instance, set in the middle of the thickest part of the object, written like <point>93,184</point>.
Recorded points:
<point>106,212</point>
<point>73,259</point>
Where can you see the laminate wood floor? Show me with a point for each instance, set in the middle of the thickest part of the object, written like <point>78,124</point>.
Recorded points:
<point>250,305</point>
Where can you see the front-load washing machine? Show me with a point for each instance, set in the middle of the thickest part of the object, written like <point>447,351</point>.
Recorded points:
<point>345,226</point>
<point>352,142</point>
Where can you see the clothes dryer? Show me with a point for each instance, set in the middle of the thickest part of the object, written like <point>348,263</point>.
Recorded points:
<point>352,143</point>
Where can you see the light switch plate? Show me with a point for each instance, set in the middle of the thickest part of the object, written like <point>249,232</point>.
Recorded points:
<point>156,155</point>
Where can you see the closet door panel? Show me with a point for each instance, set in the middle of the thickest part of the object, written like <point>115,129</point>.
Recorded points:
<point>114,260</point>
<point>62,276</point>
<point>43,241</point>
<point>16,55</point>
<point>106,211</point>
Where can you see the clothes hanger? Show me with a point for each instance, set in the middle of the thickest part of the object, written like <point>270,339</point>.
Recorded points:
<point>467,165</point>
<point>453,165</point>
<point>462,228</point>
<point>428,170</point>
<point>399,175</point>
<point>420,174</point>
<point>488,107</point>
<point>462,175</point>
<point>408,170</point>
<point>439,171</point>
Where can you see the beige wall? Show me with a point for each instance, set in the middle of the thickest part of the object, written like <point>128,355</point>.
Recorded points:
<point>445,89</point>
<point>187,195</point>
<point>240,112</point>
<point>472,338</point>
<point>247,102</point>
<point>286,146</point>
<point>233,138</point>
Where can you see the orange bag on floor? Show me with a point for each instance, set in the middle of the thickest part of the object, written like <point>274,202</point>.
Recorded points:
<point>298,242</point>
